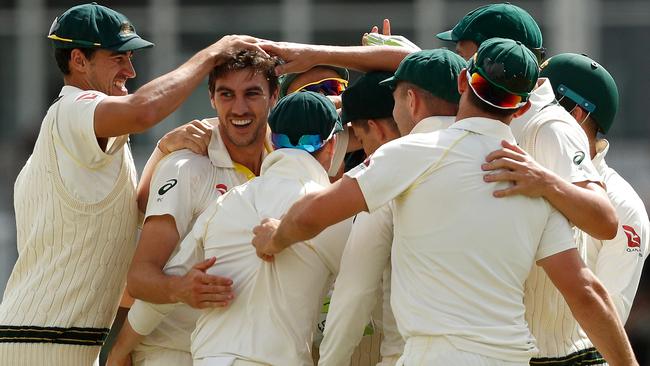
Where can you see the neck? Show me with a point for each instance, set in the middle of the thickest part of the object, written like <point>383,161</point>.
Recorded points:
<point>471,111</point>
<point>249,156</point>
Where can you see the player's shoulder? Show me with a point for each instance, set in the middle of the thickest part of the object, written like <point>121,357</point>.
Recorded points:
<point>185,162</point>
<point>75,96</point>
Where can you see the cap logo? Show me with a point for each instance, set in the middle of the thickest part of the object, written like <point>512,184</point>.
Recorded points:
<point>126,29</point>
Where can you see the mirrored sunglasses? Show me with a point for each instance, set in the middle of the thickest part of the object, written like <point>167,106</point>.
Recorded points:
<point>329,86</point>
<point>493,94</point>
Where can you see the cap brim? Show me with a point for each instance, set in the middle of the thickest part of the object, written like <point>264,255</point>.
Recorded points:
<point>390,82</point>
<point>446,36</point>
<point>132,45</point>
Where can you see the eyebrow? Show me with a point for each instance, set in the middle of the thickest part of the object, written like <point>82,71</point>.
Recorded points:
<point>252,88</point>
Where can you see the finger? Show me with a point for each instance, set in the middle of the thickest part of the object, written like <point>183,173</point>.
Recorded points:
<point>257,230</point>
<point>374,29</point>
<point>210,304</point>
<point>514,147</point>
<point>511,191</point>
<point>202,126</point>
<point>214,289</point>
<point>215,280</point>
<point>208,297</point>
<point>386,27</point>
<point>202,140</point>
<point>501,177</point>
<point>502,163</point>
<point>267,257</point>
<point>504,153</point>
<point>193,146</point>
<point>205,264</point>
<point>272,48</point>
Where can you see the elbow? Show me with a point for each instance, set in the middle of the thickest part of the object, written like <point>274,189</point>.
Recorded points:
<point>607,227</point>
<point>131,288</point>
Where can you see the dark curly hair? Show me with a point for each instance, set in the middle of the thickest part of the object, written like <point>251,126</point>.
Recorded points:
<point>257,62</point>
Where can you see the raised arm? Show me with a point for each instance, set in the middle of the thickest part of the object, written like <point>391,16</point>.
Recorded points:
<point>591,305</point>
<point>120,115</point>
<point>302,57</point>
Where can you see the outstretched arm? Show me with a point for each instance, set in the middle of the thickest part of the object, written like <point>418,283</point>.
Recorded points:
<point>590,304</point>
<point>309,216</point>
<point>302,57</point>
<point>120,115</point>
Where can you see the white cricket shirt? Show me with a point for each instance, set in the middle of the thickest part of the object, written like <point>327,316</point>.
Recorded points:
<point>460,256</point>
<point>183,185</point>
<point>276,304</point>
<point>365,259</point>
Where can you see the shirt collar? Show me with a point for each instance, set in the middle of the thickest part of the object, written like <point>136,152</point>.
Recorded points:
<point>602,147</point>
<point>433,123</point>
<point>296,164</point>
<point>217,151</point>
<point>485,126</point>
<point>541,96</point>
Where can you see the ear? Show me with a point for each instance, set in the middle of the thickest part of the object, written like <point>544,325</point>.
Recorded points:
<point>462,81</point>
<point>274,96</point>
<point>212,100</point>
<point>522,110</point>
<point>78,61</point>
<point>578,114</point>
<point>413,103</point>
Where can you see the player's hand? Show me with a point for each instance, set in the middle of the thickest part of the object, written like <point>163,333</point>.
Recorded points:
<point>201,290</point>
<point>230,45</point>
<point>512,164</point>
<point>194,135</point>
<point>385,30</point>
<point>297,57</point>
<point>263,239</point>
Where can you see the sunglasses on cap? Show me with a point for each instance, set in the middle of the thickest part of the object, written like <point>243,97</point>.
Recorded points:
<point>309,143</point>
<point>493,94</point>
<point>329,86</point>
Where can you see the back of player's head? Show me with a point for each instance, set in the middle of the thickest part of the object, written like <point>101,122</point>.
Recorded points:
<point>501,75</point>
<point>435,71</point>
<point>498,20</point>
<point>247,60</point>
<point>304,121</point>
<point>586,84</point>
<point>366,99</point>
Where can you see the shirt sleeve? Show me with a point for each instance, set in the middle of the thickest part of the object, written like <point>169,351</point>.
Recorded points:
<point>75,130</point>
<point>556,237</point>
<point>392,169</point>
<point>173,190</point>
<point>564,149</point>
<point>619,262</point>
<point>365,257</point>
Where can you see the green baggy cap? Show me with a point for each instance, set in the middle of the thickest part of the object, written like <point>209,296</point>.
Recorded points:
<point>507,65</point>
<point>286,79</point>
<point>435,71</point>
<point>95,26</point>
<point>585,82</point>
<point>300,115</point>
<point>496,20</point>
<point>366,99</point>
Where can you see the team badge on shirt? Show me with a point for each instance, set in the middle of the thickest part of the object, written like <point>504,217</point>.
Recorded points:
<point>86,96</point>
<point>633,240</point>
<point>221,188</point>
<point>578,157</point>
<point>167,186</point>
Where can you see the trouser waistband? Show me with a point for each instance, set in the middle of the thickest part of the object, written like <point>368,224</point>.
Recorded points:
<point>589,356</point>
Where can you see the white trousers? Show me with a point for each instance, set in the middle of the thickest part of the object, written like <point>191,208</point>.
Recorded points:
<point>433,351</point>
<point>226,361</point>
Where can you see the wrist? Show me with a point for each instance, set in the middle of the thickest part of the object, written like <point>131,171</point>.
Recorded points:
<point>161,148</point>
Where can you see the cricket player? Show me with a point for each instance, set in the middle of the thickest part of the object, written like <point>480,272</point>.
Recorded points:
<point>244,88</point>
<point>588,91</point>
<point>76,213</point>
<point>272,317</point>
<point>367,254</point>
<point>459,265</point>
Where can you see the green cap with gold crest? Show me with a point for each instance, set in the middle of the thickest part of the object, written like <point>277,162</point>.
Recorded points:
<point>95,26</point>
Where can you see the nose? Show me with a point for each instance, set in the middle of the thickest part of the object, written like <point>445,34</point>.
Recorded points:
<point>129,69</point>
<point>240,106</point>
